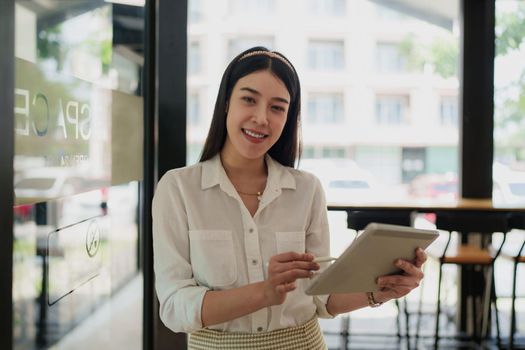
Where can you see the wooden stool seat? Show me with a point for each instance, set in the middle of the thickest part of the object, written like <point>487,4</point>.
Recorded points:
<point>468,255</point>
<point>513,257</point>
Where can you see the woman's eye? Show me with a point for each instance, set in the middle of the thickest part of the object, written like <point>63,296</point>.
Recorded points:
<point>248,99</point>
<point>278,108</point>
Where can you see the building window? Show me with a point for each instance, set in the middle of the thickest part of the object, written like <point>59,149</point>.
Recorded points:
<point>325,108</point>
<point>389,58</point>
<point>448,111</point>
<point>391,110</point>
<point>195,11</point>
<point>326,55</point>
<point>328,7</point>
<point>389,14</point>
<point>333,152</point>
<point>194,108</point>
<point>194,58</point>
<point>265,7</point>
<point>413,162</point>
<point>238,45</point>
<point>308,152</point>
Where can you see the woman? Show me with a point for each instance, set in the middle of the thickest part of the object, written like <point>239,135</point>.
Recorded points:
<point>236,234</point>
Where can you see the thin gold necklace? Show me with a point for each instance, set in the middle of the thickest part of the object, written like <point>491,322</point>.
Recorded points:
<point>258,194</point>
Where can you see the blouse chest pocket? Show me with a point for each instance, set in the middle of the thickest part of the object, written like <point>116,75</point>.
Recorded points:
<point>290,242</point>
<point>213,257</point>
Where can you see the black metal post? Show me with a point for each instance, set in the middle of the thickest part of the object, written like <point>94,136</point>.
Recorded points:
<point>148,184</point>
<point>164,138</point>
<point>172,36</point>
<point>476,129</point>
<point>477,80</point>
<point>171,76</point>
<point>7,83</point>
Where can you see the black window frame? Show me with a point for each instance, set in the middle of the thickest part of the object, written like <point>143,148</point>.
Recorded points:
<point>7,83</point>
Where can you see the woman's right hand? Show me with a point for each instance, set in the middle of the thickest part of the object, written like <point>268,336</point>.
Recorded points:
<point>283,270</point>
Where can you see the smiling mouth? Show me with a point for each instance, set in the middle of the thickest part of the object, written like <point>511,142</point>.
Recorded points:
<point>254,134</point>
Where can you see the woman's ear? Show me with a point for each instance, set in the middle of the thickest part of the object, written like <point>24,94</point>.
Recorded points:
<point>226,108</point>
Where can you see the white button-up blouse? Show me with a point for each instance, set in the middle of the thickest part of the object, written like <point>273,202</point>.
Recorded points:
<point>204,238</point>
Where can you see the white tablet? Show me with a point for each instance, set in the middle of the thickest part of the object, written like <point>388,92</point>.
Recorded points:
<point>371,255</point>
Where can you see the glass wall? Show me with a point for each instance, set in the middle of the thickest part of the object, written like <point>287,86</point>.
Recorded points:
<point>380,88</point>
<point>509,104</point>
<point>78,164</point>
<point>379,97</point>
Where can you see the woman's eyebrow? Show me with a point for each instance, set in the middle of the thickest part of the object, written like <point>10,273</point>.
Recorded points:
<point>255,92</point>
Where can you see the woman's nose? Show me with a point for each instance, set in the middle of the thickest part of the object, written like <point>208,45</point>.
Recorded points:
<point>260,116</point>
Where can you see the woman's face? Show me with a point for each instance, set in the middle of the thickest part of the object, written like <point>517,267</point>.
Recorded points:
<point>256,115</point>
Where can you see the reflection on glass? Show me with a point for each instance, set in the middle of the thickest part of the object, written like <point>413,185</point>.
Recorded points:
<point>379,85</point>
<point>72,256</point>
<point>509,104</point>
<point>65,108</point>
<point>78,156</point>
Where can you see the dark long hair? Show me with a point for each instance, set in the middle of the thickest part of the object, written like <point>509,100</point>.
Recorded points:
<point>288,147</point>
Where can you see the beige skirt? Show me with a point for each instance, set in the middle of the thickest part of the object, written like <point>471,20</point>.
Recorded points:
<point>305,337</point>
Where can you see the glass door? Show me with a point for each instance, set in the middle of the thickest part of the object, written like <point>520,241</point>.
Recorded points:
<point>78,109</point>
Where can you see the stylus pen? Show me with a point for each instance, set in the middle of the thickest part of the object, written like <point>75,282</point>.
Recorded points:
<point>324,259</point>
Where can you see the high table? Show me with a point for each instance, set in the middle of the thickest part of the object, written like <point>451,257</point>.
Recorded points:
<point>481,205</point>
<point>460,206</point>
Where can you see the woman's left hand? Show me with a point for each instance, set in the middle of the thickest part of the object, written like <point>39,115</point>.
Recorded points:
<point>397,286</point>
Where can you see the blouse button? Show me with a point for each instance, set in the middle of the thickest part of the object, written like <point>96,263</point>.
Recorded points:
<point>251,230</point>
<point>254,262</point>
<point>259,329</point>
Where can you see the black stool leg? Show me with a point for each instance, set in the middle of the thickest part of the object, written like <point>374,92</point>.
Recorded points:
<point>345,333</point>
<point>438,311</point>
<point>407,321</point>
<point>496,312</point>
<point>419,314</point>
<point>474,301</point>
<point>487,301</point>
<point>419,309</point>
<point>398,321</point>
<point>418,321</point>
<point>513,308</point>
<point>490,299</point>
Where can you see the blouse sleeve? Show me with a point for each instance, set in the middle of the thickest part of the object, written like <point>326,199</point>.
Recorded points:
<point>179,295</point>
<point>318,239</point>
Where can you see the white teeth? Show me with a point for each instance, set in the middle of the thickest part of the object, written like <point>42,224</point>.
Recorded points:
<point>253,134</point>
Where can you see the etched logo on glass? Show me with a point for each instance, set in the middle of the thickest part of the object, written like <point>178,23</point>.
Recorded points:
<point>74,257</point>
<point>92,239</point>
